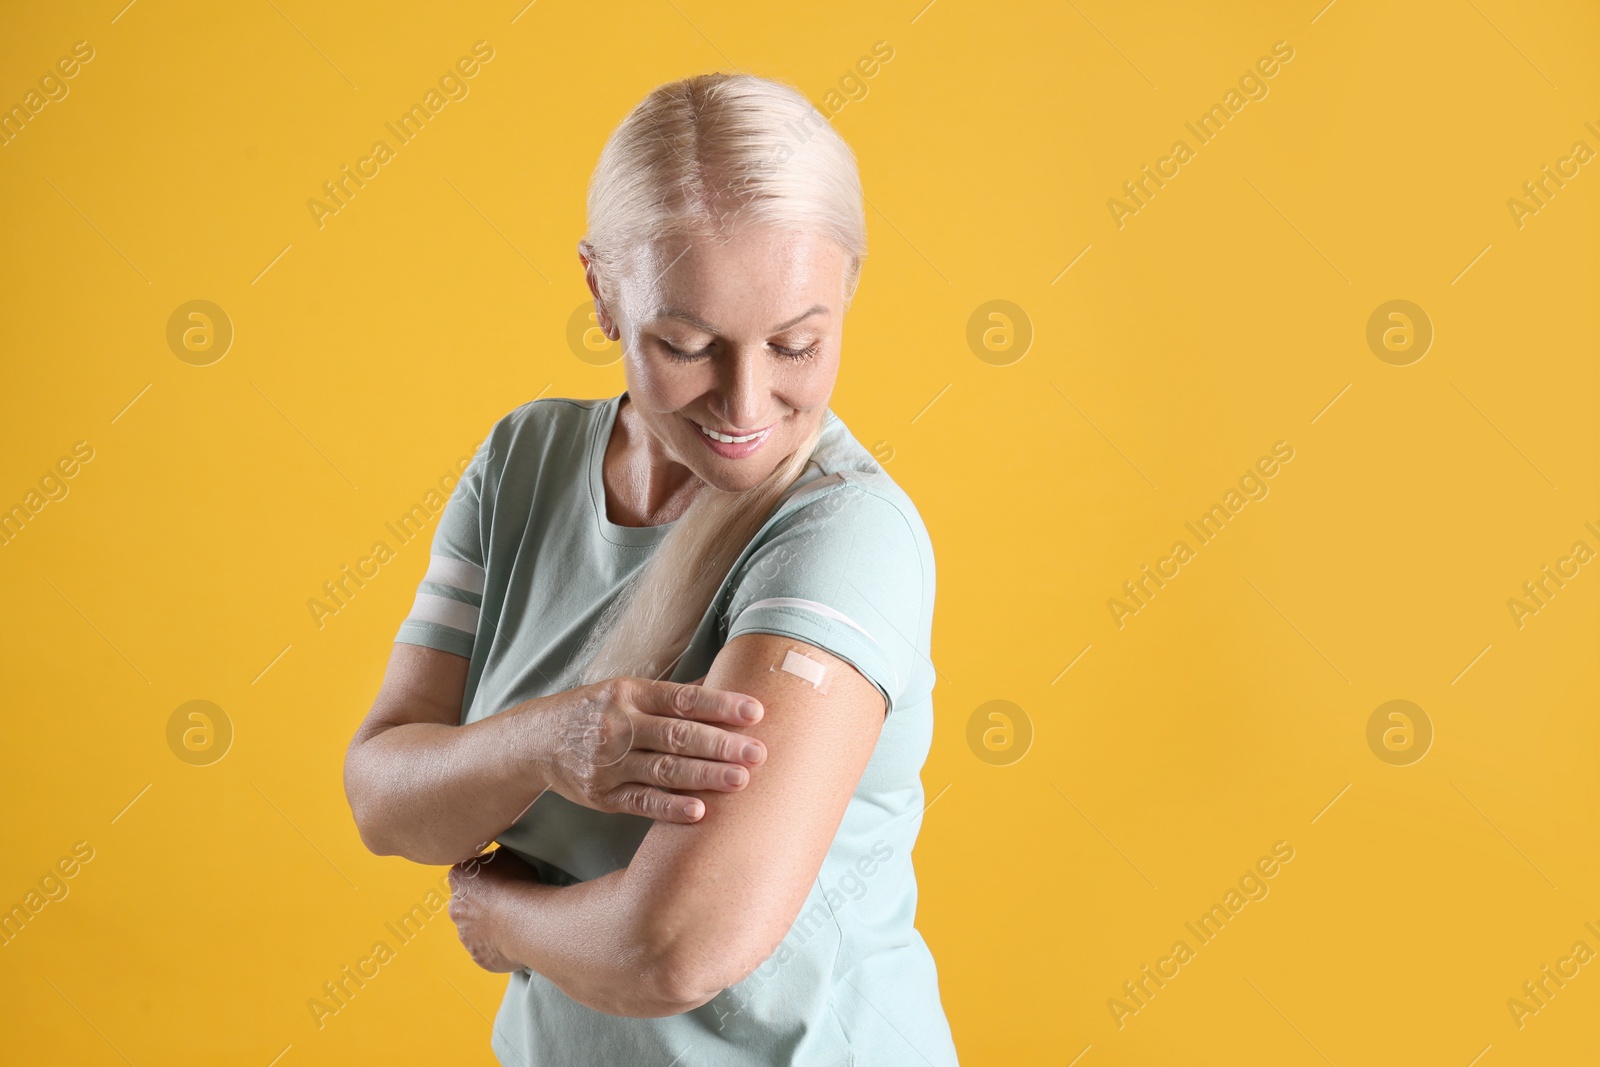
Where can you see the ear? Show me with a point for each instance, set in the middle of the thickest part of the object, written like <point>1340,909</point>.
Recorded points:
<point>607,325</point>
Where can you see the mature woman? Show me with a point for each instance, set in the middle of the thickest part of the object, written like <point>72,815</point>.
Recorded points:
<point>689,873</point>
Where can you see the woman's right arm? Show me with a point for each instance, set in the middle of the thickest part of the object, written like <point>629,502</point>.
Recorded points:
<point>423,786</point>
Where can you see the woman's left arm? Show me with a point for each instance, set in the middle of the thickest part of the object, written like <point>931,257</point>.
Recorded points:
<point>702,904</point>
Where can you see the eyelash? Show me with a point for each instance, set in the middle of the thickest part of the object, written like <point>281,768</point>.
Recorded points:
<point>799,355</point>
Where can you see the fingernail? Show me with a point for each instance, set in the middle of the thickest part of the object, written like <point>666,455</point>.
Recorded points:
<point>751,752</point>
<point>749,710</point>
<point>694,808</point>
<point>733,776</point>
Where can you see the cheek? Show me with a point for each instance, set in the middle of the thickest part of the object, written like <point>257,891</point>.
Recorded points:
<point>658,383</point>
<point>810,384</point>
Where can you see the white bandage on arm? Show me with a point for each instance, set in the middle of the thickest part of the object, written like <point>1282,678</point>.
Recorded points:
<point>804,667</point>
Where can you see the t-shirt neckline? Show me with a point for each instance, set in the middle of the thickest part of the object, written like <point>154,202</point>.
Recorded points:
<point>599,437</point>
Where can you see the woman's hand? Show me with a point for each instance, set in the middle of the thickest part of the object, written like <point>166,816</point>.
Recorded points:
<point>482,899</point>
<point>624,745</point>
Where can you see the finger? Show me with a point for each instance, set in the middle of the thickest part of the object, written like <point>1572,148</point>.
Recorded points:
<point>636,799</point>
<point>684,737</point>
<point>682,773</point>
<point>677,700</point>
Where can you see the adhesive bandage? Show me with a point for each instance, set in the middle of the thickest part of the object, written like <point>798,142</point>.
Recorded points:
<point>803,666</point>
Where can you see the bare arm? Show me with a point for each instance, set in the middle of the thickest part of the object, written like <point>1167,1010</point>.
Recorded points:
<point>423,786</point>
<point>700,907</point>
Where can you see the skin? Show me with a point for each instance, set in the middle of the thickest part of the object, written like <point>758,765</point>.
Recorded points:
<point>739,290</point>
<point>423,786</point>
<point>701,905</point>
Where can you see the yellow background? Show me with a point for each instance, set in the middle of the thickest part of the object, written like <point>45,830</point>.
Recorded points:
<point>1229,313</point>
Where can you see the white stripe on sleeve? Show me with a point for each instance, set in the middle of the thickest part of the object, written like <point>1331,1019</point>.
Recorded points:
<point>444,611</point>
<point>820,609</point>
<point>456,573</point>
<point>805,605</point>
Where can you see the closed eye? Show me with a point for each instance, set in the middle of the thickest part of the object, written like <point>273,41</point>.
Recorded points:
<point>795,354</point>
<point>679,354</point>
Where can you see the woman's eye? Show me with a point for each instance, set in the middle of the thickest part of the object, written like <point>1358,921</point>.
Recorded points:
<point>678,353</point>
<point>797,353</point>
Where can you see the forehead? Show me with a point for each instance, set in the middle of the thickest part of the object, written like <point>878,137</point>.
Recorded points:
<point>755,273</point>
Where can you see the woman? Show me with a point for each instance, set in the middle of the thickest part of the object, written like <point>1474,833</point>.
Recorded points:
<point>677,883</point>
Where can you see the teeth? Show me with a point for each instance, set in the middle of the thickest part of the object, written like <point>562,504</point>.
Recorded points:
<point>725,439</point>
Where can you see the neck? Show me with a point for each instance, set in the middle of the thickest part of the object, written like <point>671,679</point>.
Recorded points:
<point>644,482</point>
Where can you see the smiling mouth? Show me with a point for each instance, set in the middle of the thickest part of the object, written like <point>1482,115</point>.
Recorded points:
<point>729,439</point>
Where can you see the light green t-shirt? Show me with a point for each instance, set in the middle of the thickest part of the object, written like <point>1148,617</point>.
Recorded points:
<point>523,563</point>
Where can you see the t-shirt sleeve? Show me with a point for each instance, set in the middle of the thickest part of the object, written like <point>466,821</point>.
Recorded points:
<point>845,573</point>
<point>450,595</point>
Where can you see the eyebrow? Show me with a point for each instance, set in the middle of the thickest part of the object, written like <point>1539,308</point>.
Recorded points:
<point>696,321</point>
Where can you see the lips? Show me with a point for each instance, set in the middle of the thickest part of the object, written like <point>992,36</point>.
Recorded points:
<point>739,446</point>
<point>729,438</point>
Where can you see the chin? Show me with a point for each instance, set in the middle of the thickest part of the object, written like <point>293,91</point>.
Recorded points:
<point>745,478</point>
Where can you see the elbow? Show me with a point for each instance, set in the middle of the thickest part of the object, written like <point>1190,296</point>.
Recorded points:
<point>657,981</point>
<point>382,838</point>
<point>358,795</point>
<point>688,977</point>
<point>375,820</point>
<point>682,956</point>
<point>648,994</point>
<point>370,788</point>
<point>376,844</point>
<point>373,833</point>
<point>662,990</point>
<point>686,986</point>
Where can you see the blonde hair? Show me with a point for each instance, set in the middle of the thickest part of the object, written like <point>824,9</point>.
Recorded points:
<point>697,158</point>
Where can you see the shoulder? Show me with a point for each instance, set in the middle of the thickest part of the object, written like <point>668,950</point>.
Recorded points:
<point>844,563</point>
<point>547,416</point>
<point>550,426</point>
<point>845,489</point>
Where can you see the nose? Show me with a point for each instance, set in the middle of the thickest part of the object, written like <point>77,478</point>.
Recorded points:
<point>746,388</point>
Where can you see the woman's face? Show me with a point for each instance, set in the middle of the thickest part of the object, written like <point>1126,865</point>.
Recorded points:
<point>740,336</point>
